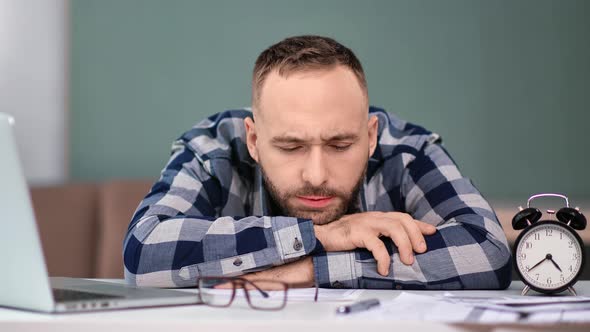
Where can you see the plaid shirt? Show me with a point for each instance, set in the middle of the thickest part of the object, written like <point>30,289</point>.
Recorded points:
<point>209,214</point>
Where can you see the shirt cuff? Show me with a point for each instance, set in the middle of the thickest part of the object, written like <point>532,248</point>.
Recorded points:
<point>336,270</point>
<point>294,237</point>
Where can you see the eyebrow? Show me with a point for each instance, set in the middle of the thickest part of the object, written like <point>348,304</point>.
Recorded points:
<point>285,139</point>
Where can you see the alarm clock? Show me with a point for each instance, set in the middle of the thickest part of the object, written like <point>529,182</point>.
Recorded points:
<point>549,253</point>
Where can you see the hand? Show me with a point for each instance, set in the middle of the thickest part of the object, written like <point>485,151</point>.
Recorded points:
<point>534,266</point>
<point>554,263</point>
<point>297,274</point>
<point>362,230</point>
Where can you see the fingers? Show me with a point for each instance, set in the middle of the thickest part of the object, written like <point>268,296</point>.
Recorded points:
<point>416,230</point>
<point>400,237</point>
<point>377,248</point>
<point>409,237</point>
<point>363,230</point>
<point>427,229</point>
<point>415,234</point>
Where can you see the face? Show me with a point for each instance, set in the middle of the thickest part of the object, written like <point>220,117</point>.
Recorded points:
<point>312,138</point>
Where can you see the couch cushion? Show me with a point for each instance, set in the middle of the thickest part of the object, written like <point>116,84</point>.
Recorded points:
<point>118,201</point>
<point>66,216</point>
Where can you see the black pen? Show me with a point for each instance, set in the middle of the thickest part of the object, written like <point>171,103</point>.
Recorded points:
<point>358,306</point>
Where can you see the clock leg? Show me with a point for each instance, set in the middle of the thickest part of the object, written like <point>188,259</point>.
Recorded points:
<point>572,291</point>
<point>525,290</point>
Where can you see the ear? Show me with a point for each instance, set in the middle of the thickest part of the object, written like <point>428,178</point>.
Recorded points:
<point>373,126</point>
<point>251,137</point>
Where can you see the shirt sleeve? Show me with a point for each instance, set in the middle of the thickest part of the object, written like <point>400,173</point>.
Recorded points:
<point>468,251</point>
<point>176,234</point>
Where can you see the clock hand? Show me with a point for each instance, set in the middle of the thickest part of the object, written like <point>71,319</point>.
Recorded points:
<point>555,264</point>
<point>534,266</point>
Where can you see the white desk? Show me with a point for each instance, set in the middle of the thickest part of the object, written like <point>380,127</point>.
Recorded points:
<point>300,317</point>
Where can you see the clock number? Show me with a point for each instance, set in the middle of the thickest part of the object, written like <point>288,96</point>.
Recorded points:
<point>571,269</point>
<point>561,278</point>
<point>528,245</point>
<point>549,281</point>
<point>548,232</point>
<point>537,236</point>
<point>522,255</point>
<point>537,276</point>
<point>570,244</point>
<point>527,268</point>
<point>576,256</point>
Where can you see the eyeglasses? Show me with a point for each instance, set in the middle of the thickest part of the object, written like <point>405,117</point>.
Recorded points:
<point>260,294</point>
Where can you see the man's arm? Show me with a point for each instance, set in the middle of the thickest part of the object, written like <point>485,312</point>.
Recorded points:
<point>468,251</point>
<point>175,236</point>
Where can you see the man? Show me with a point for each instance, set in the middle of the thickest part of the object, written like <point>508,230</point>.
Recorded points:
<point>314,186</point>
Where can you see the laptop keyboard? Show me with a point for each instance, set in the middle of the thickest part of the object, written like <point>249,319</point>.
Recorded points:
<point>64,295</point>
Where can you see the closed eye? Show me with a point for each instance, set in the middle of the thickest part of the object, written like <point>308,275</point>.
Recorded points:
<point>289,148</point>
<point>340,147</point>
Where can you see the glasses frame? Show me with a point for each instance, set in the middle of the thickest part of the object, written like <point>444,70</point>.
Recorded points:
<point>241,283</point>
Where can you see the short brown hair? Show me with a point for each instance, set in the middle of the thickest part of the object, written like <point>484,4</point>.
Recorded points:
<point>304,53</point>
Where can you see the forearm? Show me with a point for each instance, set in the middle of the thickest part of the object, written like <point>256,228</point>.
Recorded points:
<point>297,274</point>
<point>178,234</point>
<point>459,256</point>
<point>173,252</point>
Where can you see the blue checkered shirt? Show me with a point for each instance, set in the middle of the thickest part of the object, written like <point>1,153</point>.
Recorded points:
<point>209,215</point>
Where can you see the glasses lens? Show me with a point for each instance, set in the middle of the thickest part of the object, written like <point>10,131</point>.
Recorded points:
<point>216,297</point>
<point>267,295</point>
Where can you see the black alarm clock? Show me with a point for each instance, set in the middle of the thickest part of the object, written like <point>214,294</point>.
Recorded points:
<point>549,254</point>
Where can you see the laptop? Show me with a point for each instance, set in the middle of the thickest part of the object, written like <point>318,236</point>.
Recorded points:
<point>24,281</point>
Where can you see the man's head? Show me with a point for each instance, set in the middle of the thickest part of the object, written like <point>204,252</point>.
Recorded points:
<point>311,134</point>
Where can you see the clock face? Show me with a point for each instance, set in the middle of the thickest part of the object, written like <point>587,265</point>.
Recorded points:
<point>548,256</point>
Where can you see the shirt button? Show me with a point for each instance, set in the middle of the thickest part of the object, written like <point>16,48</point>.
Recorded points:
<point>238,262</point>
<point>398,287</point>
<point>297,245</point>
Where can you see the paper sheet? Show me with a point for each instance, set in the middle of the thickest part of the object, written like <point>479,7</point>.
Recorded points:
<point>516,300</point>
<point>450,308</point>
<point>524,304</point>
<point>409,306</point>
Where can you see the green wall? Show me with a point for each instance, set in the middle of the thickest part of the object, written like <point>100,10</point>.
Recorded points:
<point>506,83</point>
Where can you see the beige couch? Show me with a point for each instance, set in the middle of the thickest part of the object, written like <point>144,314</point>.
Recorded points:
<point>83,225</point>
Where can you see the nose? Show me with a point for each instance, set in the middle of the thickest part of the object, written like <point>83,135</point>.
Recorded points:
<point>314,169</point>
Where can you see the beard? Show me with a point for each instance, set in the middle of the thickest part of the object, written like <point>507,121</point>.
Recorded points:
<point>348,200</point>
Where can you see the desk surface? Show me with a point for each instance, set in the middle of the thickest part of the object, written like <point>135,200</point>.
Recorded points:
<point>295,317</point>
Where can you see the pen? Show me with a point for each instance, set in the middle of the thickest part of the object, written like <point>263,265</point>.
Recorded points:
<point>358,306</point>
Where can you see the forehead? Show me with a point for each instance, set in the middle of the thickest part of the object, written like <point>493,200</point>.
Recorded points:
<point>315,103</point>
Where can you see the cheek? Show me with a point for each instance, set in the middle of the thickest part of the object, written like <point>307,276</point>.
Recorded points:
<point>272,160</point>
<point>346,169</point>
<point>283,172</point>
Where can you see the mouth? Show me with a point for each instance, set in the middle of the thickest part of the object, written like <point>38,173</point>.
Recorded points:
<point>315,201</point>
